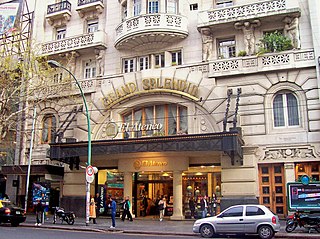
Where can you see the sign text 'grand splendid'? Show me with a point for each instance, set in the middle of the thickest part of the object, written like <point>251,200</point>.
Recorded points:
<point>153,84</point>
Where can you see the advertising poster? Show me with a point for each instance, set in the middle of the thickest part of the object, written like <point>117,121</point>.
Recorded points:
<point>8,15</point>
<point>41,191</point>
<point>304,197</point>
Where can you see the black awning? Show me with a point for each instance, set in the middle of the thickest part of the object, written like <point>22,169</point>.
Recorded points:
<point>34,170</point>
<point>229,142</point>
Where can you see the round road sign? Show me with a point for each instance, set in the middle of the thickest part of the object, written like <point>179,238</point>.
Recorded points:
<point>89,174</point>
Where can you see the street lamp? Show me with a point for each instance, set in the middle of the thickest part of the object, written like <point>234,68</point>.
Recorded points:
<point>55,64</point>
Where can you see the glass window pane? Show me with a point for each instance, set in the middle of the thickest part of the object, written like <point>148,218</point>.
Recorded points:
<point>278,112</point>
<point>277,169</point>
<point>278,179</point>
<point>266,200</point>
<point>279,189</point>
<point>265,170</point>
<point>265,190</point>
<point>183,120</point>
<point>265,179</point>
<point>172,119</point>
<point>293,114</point>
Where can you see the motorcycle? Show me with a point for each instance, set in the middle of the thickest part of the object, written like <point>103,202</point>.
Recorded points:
<point>60,214</point>
<point>303,221</point>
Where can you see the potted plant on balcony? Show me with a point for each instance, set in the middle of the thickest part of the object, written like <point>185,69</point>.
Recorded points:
<point>274,42</point>
<point>242,53</point>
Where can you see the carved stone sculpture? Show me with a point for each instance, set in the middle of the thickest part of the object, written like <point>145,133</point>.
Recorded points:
<point>206,44</point>
<point>291,30</point>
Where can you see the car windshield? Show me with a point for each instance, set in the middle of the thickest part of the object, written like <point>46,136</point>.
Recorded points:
<point>7,204</point>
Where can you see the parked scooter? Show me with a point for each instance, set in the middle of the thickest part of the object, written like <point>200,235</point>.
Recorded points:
<point>303,220</point>
<point>60,214</point>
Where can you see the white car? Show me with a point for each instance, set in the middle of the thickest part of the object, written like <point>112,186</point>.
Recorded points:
<point>240,219</point>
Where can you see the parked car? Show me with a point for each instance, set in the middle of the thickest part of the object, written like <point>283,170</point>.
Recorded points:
<point>240,219</point>
<point>10,213</point>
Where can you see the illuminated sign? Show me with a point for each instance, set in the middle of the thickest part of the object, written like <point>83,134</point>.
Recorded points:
<point>303,196</point>
<point>148,163</point>
<point>139,127</point>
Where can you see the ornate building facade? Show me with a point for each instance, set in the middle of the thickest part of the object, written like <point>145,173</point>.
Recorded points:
<point>185,99</point>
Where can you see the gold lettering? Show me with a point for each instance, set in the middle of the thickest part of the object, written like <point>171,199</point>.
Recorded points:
<point>145,84</point>
<point>132,87</point>
<point>167,83</point>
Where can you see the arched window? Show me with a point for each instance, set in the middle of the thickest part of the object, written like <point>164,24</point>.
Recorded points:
<point>48,129</point>
<point>285,110</point>
<point>167,119</point>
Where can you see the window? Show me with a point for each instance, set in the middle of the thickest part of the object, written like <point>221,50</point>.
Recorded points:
<point>254,211</point>
<point>171,6</point>
<point>227,48</point>
<point>234,212</point>
<point>194,7</point>
<point>92,26</point>
<point>89,69</point>
<point>153,6</point>
<point>144,63</point>
<point>48,129</point>
<point>224,3</point>
<point>147,120</point>
<point>61,33</point>
<point>285,110</point>
<point>129,65</point>
<point>57,78</point>
<point>176,58</point>
<point>136,7</point>
<point>159,60</point>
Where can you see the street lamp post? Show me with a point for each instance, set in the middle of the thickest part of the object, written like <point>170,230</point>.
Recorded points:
<point>55,64</point>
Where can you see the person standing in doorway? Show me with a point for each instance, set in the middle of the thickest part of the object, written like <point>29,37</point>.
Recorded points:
<point>113,206</point>
<point>97,200</point>
<point>126,209</point>
<point>162,207</point>
<point>144,205</point>
<point>192,206</point>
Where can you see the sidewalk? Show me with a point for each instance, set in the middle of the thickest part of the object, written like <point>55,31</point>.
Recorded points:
<point>149,226</point>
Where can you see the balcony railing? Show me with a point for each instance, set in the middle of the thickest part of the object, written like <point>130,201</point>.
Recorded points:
<point>89,6</point>
<point>136,29</point>
<point>266,62</point>
<point>242,12</point>
<point>58,7</point>
<point>75,43</point>
<point>84,2</point>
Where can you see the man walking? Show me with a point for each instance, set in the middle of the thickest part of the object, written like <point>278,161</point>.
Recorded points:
<point>126,210</point>
<point>113,206</point>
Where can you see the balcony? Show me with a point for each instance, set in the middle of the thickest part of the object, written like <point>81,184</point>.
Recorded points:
<point>151,31</point>
<point>264,63</point>
<point>59,11</point>
<point>264,10</point>
<point>82,44</point>
<point>86,6</point>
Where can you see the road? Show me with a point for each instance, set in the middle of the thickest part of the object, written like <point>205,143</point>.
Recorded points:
<point>8,232</point>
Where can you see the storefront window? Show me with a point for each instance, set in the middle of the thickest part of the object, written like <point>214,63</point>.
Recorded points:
<point>156,120</point>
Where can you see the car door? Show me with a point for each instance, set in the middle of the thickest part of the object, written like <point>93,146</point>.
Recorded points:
<point>253,216</point>
<point>230,221</point>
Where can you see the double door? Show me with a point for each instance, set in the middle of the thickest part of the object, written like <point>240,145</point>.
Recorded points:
<point>272,188</point>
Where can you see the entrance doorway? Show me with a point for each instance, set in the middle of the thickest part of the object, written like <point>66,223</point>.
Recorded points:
<point>272,188</point>
<point>149,188</point>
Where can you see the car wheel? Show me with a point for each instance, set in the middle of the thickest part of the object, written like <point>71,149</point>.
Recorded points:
<point>14,224</point>
<point>265,232</point>
<point>206,231</point>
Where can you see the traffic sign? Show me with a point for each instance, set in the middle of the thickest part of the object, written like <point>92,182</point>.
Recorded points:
<point>89,174</point>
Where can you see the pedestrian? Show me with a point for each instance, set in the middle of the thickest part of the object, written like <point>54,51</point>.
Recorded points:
<point>204,206</point>
<point>162,207</point>
<point>144,205</point>
<point>39,212</point>
<point>192,206</point>
<point>126,210</point>
<point>113,206</point>
<point>92,211</point>
<point>97,200</point>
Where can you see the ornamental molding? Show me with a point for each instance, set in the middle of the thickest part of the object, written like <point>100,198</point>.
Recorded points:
<point>287,153</point>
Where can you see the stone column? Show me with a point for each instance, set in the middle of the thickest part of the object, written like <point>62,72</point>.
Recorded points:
<point>289,173</point>
<point>129,8</point>
<point>177,196</point>
<point>127,187</point>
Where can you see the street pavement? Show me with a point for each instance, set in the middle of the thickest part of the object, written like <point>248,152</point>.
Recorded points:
<point>148,225</point>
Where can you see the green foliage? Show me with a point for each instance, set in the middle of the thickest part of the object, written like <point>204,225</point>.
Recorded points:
<point>274,42</point>
<point>242,53</point>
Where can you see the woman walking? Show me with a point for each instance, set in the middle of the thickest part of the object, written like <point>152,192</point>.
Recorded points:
<point>162,207</point>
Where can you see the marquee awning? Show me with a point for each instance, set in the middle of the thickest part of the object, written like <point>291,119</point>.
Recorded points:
<point>229,142</point>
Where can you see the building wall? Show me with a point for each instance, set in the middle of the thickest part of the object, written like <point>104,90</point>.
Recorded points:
<point>259,77</point>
